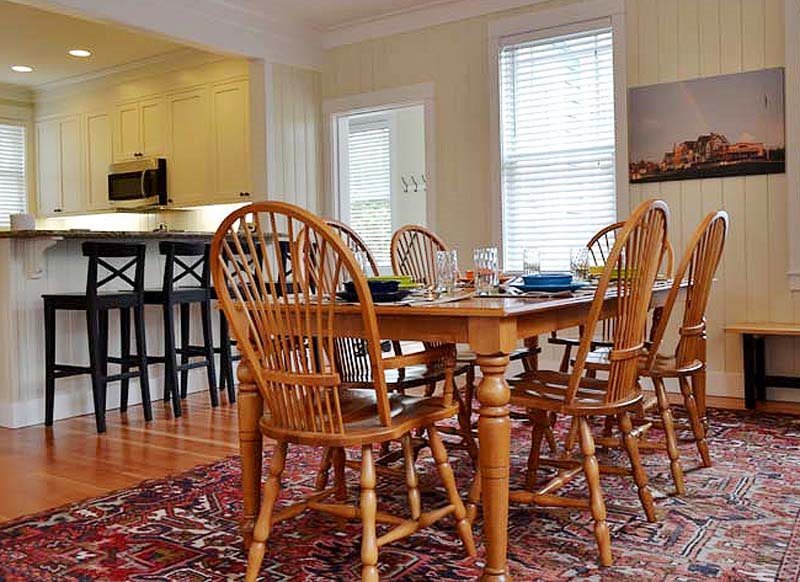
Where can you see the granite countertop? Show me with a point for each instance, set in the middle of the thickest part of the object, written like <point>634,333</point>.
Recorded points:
<point>108,234</point>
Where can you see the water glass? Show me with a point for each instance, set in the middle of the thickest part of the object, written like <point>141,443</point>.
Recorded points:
<point>362,260</point>
<point>487,276</point>
<point>531,262</point>
<point>446,271</point>
<point>579,263</point>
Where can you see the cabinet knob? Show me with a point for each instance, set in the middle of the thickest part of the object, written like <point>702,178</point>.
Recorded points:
<point>56,210</point>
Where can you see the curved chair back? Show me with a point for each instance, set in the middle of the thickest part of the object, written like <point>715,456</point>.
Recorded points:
<point>354,242</point>
<point>288,336</point>
<point>602,242</point>
<point>697,268</point>
<point>414,253</point>
<point>630,272</point>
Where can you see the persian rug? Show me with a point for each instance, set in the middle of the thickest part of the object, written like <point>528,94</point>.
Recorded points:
<point>738,521</point>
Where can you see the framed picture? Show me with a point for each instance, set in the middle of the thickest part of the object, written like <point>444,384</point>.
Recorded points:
<point>729,125</point>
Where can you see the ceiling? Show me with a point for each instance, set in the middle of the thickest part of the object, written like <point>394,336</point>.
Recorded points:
<point>41,40</point>
<point>326,15</point>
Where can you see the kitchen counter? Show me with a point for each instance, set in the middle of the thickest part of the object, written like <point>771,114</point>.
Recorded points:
<point>108,234</point>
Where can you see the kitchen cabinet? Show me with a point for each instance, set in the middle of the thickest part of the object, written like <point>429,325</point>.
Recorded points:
<point>98,158</point>
<point>189,138</point>
<point>139,129</point>
<point>230,123</point>
<point>59,155</point>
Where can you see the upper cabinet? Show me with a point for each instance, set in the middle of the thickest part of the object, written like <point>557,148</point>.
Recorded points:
<point>139,129</point>
<point>230,122</point>
<point>98,158</point>
<point>59,159</point>
<point>189,163</point>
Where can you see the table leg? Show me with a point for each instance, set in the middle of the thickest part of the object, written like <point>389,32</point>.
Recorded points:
<point>251,407</point>
<point>761,368</point>
<point>748,363</point>
<point>494,435</point>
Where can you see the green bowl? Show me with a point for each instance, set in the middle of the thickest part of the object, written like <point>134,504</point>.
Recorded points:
<point>404,281</point>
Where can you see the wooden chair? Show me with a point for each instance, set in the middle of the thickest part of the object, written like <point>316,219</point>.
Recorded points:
<point>599,248</point>
<point>631,265</point>
<point>696,270</point>
<point>288,340</point>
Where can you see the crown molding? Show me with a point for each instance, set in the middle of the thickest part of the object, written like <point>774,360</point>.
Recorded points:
<point>17,93</point>
<point>433,14</point>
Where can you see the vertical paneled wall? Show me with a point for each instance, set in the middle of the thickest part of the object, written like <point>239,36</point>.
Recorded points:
<point>667,40</point>
<point>295,170</point>
<point>672,40</point>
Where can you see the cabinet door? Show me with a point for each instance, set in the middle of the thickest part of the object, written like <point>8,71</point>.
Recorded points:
<point>230,108</point>
<point>48,167</point>
<point>127,131</point>
<point>151,113</point>
<point>188,170</point>
<point>71,165</point>
<point>98,158</point>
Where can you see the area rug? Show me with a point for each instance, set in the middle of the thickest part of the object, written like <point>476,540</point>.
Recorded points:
<point>738,521</point>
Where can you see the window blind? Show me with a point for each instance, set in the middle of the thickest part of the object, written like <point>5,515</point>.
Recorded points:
<point>370,179</point>
<point>13,190</point>
<point>557,150</point>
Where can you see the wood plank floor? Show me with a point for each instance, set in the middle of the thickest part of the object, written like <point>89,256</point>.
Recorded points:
<point>44,468</point>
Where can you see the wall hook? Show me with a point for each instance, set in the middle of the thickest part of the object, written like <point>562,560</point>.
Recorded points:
<point>416,184</point>
<point>405,184</point>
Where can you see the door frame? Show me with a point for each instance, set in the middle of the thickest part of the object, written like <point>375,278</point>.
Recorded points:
<point>335,109</point>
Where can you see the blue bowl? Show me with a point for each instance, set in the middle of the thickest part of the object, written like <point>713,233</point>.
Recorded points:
<point>548,279</point>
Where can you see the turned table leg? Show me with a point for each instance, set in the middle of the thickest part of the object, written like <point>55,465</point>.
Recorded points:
<point>251,407</point>
<point>494,435</point>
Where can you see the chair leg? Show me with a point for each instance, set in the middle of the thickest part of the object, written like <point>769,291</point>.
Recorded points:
<point>540,423</point>
<point>103,359</point>
<point>465,426</point>
<point>324,469</point>
<point>694,418</point>
<point>573,435</point>
<point>369,507</point>
<point>226,356</point>
<point>549,434</point>
<point>430,389</point>
<point>50,363</point>
<point>93,332</point>
<point>140,336</point>
<point>564,367</point>
<point>186,340</point>
<point>414,503</point>
<point>208,344</point>
<point>597,505</point>
<point>339,479</point>
<point>170,361</point>
<point>263,524</point>
<point>474,495</point>
<point>463,525</point>
<point>125,354</point>
<point>669,432</point>
<point>639,474</point>
<point>469,391</point>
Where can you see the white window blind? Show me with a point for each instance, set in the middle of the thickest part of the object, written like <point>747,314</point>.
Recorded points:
<point>13,190</point>
<point>557,115</point>
<point>370,180</point>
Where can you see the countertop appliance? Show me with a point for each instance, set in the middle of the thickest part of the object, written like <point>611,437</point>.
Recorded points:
<point>140,183</point>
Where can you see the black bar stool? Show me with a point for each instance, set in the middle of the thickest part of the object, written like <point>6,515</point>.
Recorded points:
<point>122,267</point>
<point>187,280</point>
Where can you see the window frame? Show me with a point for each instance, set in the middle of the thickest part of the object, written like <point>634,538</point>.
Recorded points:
<point>541,25</point>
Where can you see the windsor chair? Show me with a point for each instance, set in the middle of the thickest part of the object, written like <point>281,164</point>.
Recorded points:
<point>629,274</point>
<point>288,341</point>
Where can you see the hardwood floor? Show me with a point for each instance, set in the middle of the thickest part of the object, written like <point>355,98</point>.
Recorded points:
<point>44,468</point>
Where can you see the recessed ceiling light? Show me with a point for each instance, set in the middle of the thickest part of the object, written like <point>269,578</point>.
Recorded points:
<point>22,68</point>
<point>80,53</point>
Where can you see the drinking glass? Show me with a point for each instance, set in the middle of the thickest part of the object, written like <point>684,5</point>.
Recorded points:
<point>446,271</point>
<point>362,259</point>
<point>579,263</point>
<point>486,271</point>
<point>531,262</point>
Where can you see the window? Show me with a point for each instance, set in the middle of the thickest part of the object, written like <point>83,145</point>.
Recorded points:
<point>13,190</point>
<point>370,185</point>
<point>557,144</point>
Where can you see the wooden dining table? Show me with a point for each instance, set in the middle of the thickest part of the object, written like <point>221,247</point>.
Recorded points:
<point>493,328</point>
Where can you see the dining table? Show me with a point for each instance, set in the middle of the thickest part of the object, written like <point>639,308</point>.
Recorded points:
<point>493,328</point>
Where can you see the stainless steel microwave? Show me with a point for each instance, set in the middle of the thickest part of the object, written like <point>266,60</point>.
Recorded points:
<point>139,183</point>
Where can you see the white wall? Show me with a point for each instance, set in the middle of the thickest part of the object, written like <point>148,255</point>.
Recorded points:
<point>409,160</point>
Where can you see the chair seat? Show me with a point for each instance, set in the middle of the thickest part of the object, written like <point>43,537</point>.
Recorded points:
<point>79,301</point>
<point>179,295</point>
<point>361,422</point>
<point>405,378</point>
<point>664,366</point>
<point>546,390</point>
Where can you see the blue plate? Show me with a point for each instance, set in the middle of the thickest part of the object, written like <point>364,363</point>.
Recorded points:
<point>551,279</point>
<point>551,288</point>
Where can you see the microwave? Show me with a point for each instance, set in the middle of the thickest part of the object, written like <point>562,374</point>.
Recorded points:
<point>139,183</point>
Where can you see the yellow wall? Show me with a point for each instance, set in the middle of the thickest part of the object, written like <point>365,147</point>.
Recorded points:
<point>667,40</point>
